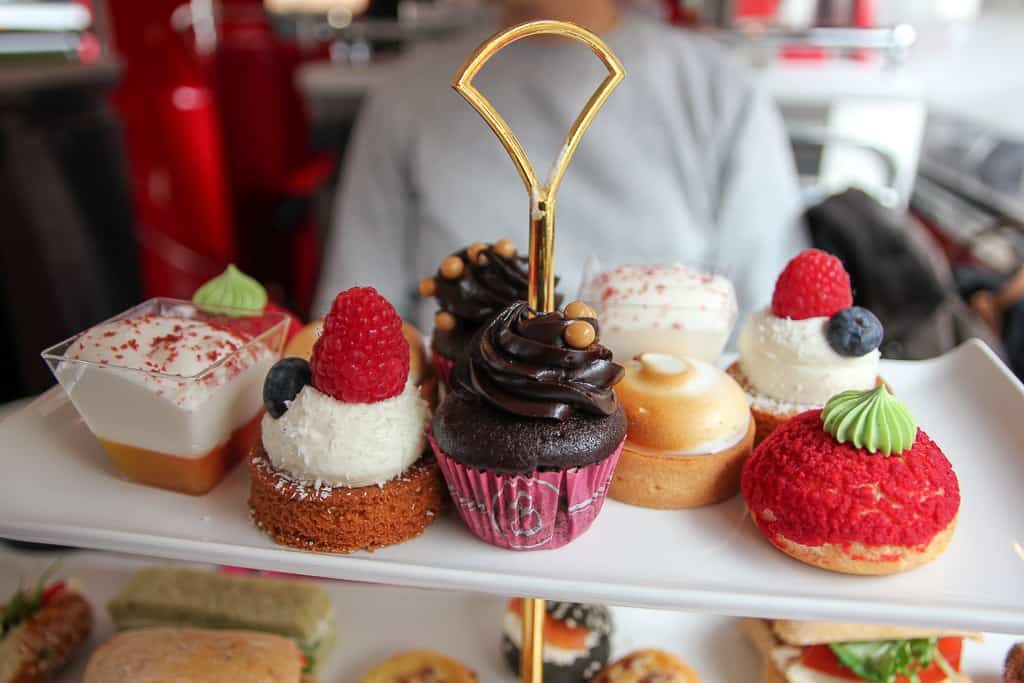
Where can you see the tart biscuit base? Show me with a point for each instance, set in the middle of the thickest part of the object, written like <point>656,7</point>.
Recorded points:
<point>645,665</point>
<point>767,422</point>
<point>340,519</point>
<point>674,481</point>
<point>856,558</point>
<point>419,666</point>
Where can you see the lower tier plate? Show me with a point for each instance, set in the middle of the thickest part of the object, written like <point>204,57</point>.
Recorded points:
<point>375,622</point>
<point>57,487</point>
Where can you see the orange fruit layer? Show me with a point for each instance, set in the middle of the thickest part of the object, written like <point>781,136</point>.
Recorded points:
<point>193,475</point>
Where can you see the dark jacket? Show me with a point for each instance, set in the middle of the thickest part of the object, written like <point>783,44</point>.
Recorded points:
<point>896,275</point>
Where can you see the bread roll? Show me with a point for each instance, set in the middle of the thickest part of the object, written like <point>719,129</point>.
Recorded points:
<point>171,655</point>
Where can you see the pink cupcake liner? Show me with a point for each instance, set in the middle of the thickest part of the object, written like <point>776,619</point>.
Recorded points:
<point>443,365</point>
<point>537,511</point>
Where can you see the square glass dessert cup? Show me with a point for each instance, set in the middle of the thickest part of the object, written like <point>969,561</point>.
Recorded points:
<point>172,393</point>
<point>687,311</point>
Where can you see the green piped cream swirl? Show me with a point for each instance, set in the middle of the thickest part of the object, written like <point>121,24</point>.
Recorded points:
<point>873,420</point>
<point>232,293</point>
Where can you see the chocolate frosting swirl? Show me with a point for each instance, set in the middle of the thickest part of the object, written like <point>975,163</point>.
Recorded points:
<point>485,288</point>
<point>522,365</point>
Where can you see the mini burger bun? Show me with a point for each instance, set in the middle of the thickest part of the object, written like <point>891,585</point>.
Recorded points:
<point>192,654</point>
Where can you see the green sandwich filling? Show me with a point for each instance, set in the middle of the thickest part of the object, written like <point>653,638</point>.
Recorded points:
<point>881,661</point>
<point>175,597</point>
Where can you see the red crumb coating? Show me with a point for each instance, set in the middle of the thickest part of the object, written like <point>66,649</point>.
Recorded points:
<point>804,485</point>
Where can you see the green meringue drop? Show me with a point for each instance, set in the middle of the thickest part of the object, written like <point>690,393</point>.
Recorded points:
<point>873,420</point>
<point>231,293</point>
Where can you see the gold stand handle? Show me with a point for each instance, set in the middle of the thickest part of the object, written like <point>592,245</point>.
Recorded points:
<point>541,293</point>
<point>531,654</point>
<point>542,196</point>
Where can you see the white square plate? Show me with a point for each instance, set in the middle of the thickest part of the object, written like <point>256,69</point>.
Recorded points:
<point>57,487</point>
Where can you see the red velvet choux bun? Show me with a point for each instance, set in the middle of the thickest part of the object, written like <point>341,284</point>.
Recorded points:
<point>843,508</point>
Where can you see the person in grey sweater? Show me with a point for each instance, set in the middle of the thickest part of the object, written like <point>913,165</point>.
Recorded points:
<point>688,161</point>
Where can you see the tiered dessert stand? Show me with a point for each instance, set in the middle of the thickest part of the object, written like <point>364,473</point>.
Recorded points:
<point>56,487</point>
<point>541,292</point>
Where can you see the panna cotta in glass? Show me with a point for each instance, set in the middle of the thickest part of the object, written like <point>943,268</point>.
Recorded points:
<point>671,309</point>
<point>173,394</point>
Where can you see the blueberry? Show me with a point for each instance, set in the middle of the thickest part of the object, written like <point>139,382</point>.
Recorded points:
<point>853,331</point>
<point>284,382</point>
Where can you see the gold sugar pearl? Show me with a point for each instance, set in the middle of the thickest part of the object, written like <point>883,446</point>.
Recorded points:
<point>473,250</point>
<point>505,247</point>
<point>452,267</point>
<point>578,309</point>
<point>428,287</point>
<point>444,321</point>
<point>579,334</point>
<point>482,258</point>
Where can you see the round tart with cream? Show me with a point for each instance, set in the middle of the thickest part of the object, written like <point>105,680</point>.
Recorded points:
<point>809,345</point>
<point>471,287</point>
<point>854,488</point>
<point>341,466</point>
<point>669,309</point>
<point>689,431</point>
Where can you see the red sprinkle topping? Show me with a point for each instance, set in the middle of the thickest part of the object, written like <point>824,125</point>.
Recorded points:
<point>804,485</point>
<point>168,339</point>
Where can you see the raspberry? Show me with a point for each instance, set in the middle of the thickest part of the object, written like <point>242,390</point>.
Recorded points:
<point>362,355</point>
<point>813,284</point>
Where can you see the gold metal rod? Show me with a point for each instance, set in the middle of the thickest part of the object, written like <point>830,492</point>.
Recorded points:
<point>531,655</point>
<point>541,284</point>
<point>541,293</point>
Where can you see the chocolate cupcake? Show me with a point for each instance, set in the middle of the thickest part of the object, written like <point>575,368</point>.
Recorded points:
<point>472,286</point>
<point>530,435</point>
<point>577,640</point>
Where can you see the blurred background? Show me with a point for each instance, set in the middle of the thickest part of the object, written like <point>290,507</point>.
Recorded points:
<point>146,145</point>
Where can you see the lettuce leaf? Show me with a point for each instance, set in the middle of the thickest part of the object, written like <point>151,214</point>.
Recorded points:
<point>881,661</point>
<point>24,603</point>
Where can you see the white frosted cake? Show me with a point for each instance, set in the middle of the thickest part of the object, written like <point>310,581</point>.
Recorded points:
<point>670,309</point>
<point>174,400</point>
